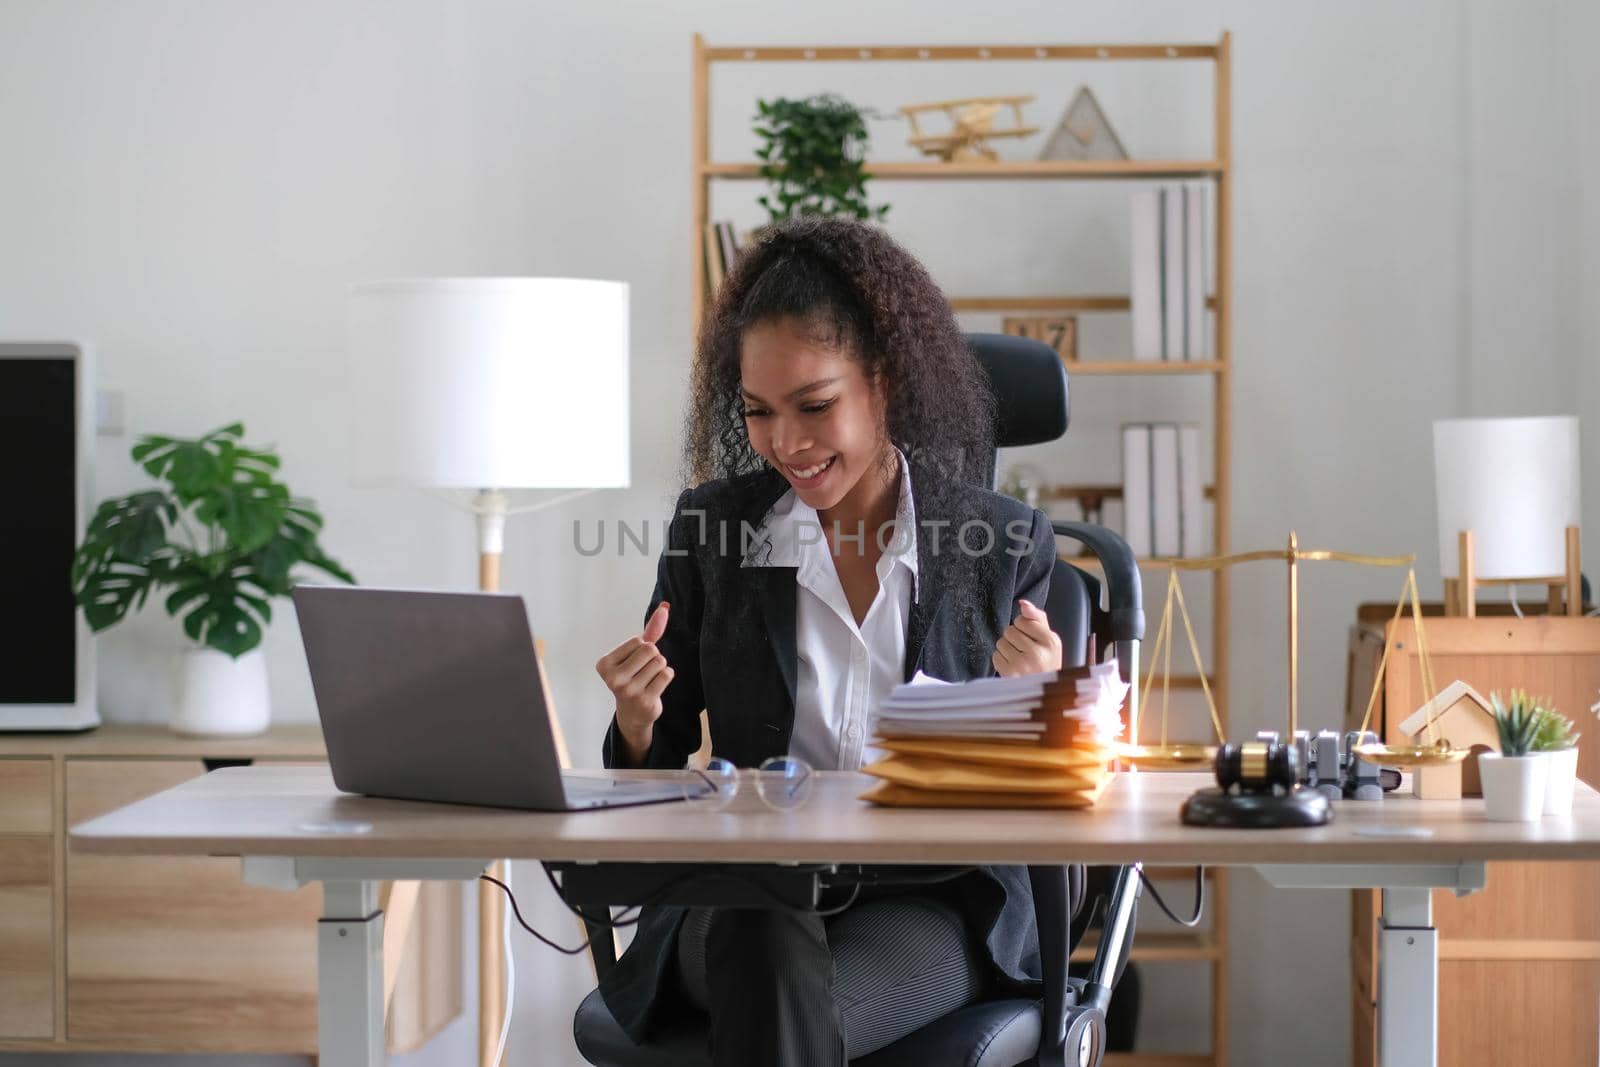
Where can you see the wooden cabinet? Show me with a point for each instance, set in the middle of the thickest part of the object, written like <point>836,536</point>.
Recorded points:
<point>25,796</point>
<point>169,954</point>
<point>233,958</point>
<point>1519,961</point>
<point>27,958</point>
<point>27,899</point>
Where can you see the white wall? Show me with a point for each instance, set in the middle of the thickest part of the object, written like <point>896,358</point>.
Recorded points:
<point>1578,22</point>
<point>191,186</point>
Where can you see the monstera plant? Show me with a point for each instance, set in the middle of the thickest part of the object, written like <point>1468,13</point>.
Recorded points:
<point>223,534</point>
<point>221,537</point>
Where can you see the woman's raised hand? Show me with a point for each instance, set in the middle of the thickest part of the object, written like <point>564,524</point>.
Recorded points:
<point>1029,645</point>
<point>636,673</point>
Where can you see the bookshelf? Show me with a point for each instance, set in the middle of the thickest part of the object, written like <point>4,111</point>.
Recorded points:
<point>1153,948</point>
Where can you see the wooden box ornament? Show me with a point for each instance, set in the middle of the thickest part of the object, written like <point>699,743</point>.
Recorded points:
<point>1460,714</point>
<point>1060,332</point>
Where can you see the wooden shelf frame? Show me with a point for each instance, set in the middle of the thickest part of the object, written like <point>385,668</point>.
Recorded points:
<point>1153,562</point>
<point>1138,367</point>
<point>1164,947</point>
<point>1105,492</point>
<point>1036,170</point>
<point>704,171</point>
<point>946,52</point>
<point>1080,304</point>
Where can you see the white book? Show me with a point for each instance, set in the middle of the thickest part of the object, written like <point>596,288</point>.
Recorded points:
<point>1191,506</point>
<point>1164,496</point>
<point>1145,284</point>
<point>1136,489</point>
<point>1172,269</point>
<point>1194,246</point>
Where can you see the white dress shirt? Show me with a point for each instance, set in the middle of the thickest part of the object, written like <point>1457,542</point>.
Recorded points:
<point>844,671</point>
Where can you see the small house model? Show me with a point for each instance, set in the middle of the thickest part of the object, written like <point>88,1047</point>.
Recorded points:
<point>1460,715</point>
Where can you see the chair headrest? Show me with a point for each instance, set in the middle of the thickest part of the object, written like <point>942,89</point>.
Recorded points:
<point>1030,388</point>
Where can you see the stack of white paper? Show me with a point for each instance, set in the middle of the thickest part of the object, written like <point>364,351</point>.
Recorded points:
<point>1063,707</point>
<point>984,707</point>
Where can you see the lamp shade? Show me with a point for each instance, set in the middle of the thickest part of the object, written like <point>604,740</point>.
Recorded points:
<point>489,383</point>
<point>1514,484</point>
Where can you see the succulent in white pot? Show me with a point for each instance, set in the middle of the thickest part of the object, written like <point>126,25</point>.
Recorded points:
<point>1514,778</point>
<point>1553,737</point>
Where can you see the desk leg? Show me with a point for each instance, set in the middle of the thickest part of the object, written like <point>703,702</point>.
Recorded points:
<point>350,976</point>
<point>1408,980</point>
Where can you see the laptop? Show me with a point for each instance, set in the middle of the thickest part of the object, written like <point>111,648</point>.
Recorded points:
<point>440,696</point>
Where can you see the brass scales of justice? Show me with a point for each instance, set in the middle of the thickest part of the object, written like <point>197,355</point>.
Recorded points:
<point>1258,782</point>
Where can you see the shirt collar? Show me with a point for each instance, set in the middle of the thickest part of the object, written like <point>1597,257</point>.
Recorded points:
<point>791,530</point>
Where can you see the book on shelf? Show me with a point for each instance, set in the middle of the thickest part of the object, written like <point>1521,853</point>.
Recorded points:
<point>1163,494</point>
<point>722,251</point>
<point>1173,278</point>
<point>1194,274</point>
<point>730,246</point>
<point>1145,293</point>
<point>1136,489</point>
<point>1191,503</point>
<point>713,257</point>
<point>1164,497</point>
<point>1167,286</point>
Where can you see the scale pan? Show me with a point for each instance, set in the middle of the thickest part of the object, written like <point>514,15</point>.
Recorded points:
<point>1168,757</point>
<point>1412,755</point>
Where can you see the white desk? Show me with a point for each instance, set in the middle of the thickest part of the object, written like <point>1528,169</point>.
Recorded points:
<point>275,819</point>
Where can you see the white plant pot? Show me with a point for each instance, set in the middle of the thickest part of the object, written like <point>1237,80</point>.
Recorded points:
<point>1563,774</point>
<point>219,696</point>
<point>1513,786</point>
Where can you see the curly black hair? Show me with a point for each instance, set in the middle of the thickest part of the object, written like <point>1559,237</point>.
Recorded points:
<point>854,289</point>
<point>851,287</point>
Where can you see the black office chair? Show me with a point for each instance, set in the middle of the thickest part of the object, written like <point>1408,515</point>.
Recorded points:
<point>1030,386</point>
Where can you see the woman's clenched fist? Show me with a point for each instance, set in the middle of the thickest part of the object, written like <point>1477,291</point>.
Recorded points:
<point>636,673</point>
<point>1028,646</point>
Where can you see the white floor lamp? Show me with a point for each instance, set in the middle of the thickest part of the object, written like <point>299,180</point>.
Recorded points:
<point>488,385</point>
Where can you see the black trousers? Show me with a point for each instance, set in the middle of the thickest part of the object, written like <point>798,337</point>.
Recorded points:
<point>795,988</point>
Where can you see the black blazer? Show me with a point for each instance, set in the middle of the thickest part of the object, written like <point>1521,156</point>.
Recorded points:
<point>730,638</point>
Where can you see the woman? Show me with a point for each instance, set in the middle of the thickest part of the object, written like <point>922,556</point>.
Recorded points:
<point>832,549</point>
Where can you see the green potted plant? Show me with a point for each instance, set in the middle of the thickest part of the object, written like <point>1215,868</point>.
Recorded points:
<point>1553,736</point>
<point>1514,778</point>
<point>223,535</point>
<point>812,153</point>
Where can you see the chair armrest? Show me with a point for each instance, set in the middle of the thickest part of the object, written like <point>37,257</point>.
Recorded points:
<point>1123,590</point>
<point>1069,1003</point>
<point>1052,912</point>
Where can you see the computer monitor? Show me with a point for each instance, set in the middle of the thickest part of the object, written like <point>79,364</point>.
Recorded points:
<point>47,679</point>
